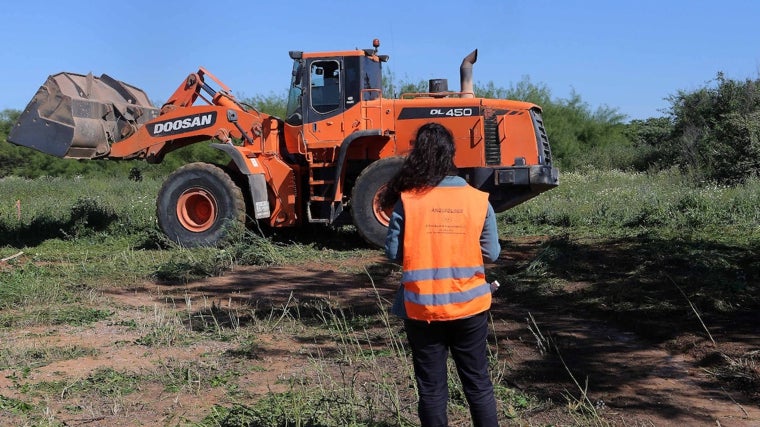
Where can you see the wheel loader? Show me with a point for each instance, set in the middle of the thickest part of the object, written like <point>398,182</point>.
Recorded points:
<point>325,162</point>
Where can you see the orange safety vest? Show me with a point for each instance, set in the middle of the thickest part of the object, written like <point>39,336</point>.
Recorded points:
<point>443,273</point>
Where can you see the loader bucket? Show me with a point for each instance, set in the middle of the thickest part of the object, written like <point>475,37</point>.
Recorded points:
<point>79,116</point>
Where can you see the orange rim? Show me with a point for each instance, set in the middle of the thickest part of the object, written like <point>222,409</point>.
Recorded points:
<point>196,210</point>
<point>383,216</point>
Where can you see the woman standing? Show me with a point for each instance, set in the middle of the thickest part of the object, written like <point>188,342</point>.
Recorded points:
<point>440,231</point>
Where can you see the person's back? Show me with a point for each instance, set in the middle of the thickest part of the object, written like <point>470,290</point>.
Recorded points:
<point>445,277</point>
<point>440,231</point>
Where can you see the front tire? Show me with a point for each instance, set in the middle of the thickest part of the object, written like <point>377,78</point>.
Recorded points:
<point>198,205</point>
<point>370,218</point>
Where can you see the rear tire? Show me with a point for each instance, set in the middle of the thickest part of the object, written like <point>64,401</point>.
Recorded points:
<point>370,219</point>
<point>198,205</point>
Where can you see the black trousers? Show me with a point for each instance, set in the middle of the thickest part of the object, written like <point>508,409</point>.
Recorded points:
<point>466,339</point>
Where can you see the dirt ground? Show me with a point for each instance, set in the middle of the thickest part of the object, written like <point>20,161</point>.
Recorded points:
<point>629,380</point>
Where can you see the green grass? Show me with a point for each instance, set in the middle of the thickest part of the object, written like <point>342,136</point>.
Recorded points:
<point>102,382</point>
<point>639,249</point>
<point>611,204</point>
<point>24,359</point>
<point>14,405</point>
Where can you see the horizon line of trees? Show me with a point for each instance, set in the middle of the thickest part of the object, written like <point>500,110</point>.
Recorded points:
<point>712,134</point>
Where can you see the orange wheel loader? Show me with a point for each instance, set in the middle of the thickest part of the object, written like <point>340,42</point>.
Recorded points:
<point>325,162</point>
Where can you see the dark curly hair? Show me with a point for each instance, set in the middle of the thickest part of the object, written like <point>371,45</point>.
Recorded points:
<point>431,160</point>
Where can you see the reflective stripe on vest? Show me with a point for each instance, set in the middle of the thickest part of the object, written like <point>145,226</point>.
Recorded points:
<point>443,273</point>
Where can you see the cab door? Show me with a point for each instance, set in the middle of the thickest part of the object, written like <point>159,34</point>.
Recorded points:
<point>324,105</point>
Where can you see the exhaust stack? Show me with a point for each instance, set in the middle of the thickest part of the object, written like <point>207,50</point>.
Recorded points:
<point>465,74</point>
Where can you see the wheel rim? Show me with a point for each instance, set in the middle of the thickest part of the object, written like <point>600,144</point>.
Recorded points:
<point>383,215</point>
<point>196,209</point>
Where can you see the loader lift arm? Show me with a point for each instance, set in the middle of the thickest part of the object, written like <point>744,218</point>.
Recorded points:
<point>181,123</point>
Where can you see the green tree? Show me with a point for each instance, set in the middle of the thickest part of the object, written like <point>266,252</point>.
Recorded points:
<point>7,118</point>
<point>579,136</point>
<point>395,88</point>
<point>272,104</point>
<point>716,132</point>
<point>9,156</point>
<point>652,139</point>
<point>524,90</point>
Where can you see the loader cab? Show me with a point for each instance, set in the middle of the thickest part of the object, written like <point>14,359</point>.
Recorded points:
<point>323,87</point>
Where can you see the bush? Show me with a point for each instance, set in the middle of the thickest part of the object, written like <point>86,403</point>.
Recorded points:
<point>610,202</point>
<point>717,131</point>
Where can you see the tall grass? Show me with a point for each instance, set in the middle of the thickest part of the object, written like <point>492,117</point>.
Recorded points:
<point>609,201</point>
<point>592,200</point>
<point>133,201</point>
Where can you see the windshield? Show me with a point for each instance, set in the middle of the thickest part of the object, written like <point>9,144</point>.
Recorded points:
<point>293,113</point>
<point>372,79</point>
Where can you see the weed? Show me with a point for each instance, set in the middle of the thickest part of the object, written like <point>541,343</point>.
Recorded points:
<point>191,376</point>
<point>30,285</point>
<point>186,265</point>
<point>694,309</point>
<point>13,357</point>
<point>165,329</point>
<point>743,371</point>
<point>15,406</point>
<point>88,214</point>
<point>248,349</point>
<point>77,316</point>
<point>105,382</point>
<point>580,406</point>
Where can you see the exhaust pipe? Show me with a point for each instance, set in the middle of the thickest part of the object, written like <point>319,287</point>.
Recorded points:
<point>465,75</point>
<point>438,87</point>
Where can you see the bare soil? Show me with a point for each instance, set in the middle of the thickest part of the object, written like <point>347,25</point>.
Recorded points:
<point>630,380</point>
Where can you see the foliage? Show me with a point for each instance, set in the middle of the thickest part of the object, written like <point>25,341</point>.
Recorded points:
<point>716,133</point>
<point>712,134</point>
<point>395,88</point>
<point>46,208</point>
<point>613,202</point>
<point>576,132</point>
<point>7,119</point>
<point>580,138</point>
<point>14,405</point>
<point>523,90</point>
<point>651,138</point>
<point>272,104</point>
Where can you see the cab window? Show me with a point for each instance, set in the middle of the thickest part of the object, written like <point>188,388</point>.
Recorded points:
<point>325,86</point>
<point>372,78</point>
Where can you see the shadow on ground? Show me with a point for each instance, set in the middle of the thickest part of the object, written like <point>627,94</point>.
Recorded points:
<point>634,329</point>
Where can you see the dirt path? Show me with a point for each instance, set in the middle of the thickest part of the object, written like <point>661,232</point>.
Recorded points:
<point>627,380</point>
<point>624,378</point>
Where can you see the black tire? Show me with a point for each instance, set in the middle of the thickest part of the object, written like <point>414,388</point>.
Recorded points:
<point>369,219</point>
<point>198,205</point>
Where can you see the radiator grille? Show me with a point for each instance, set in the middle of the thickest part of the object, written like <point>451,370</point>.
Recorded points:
<point>544,149</point>
<point>492,145</point>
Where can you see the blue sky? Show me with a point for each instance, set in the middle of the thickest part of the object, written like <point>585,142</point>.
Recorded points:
<point>628,55</point>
